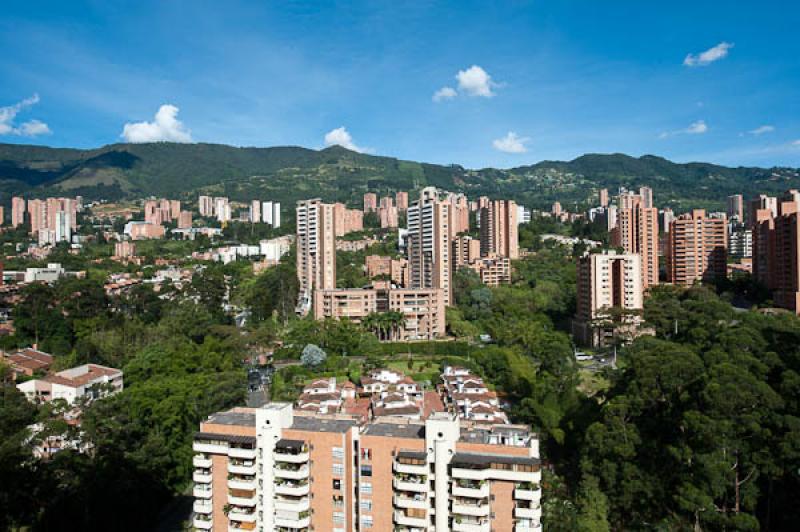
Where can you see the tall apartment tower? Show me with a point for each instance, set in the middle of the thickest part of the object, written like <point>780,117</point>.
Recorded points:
<point>605,280</point>
<point>370,202</point>
<point>276,214</point>
<point>17,211</point>
<point>205,204</point>
<point>647,197</point>
<point>602,196</point>
<point>275,468</point>
<point>786,257</point>
<point>736,208</point>
<point>401,198</point>
<point>498,229</point>
<point>255,211</point>
<point>637,232</point>
<point>316,250</point>
<point>697,248</point>
<point>428,243</point>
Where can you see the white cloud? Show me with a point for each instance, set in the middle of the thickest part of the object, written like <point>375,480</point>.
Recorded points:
<point>709,56</point>
<point>475,81</point>
<point>445,93</point>
<point>30,128</point>
<point>341,137</point>
<point>511,143</point>
<point>796,143</point>
<point>697,128</point>
<point>164,128</point>
<point>762,129</point>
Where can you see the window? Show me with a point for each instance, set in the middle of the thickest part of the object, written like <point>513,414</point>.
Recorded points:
<point>338,453</point>
<point>366,470</point>
<point>338,518</point>
<point>337,484</point>
<point>366,487</point>
<point>366,454</point>
<point>366,521</point>
<point>338,469</point>
<point>366,504</point>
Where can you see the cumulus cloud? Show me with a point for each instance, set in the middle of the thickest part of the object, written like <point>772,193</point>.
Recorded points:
<point>341,137</point>
<point>30,128</point>
<point>165,127</point>
<point>511,143</point>
<point>762,129</point>
<point>475,81</point>
<point>445,93</point>
<point>714,53</point>
<point>695,128</point>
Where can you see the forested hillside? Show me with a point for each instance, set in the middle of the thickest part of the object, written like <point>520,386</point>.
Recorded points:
<point>291,173</point>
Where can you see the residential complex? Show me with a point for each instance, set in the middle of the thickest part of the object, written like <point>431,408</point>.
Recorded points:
<point>429,243</point>
<point>422,308</point>
<point>316,250</point>
<point>776,249</point>
<point>637,232</point>
<point>606,281</point>
<point>498,229</point>
<point>279,468</point>
<point>697,248</point>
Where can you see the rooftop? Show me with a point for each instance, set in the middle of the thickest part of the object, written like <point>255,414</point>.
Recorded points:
<point>234,417</point>
<point>395,430</point>
<point>320,424</point>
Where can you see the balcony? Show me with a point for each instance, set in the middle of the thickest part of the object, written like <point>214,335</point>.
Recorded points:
<point>471,525</point>
<point>402,519</point>
<point>405,485</point>
<point>238,527</point>
<point>527,493</point>
<point>411,469</point>
<point>527,513</point>
<point>294,474</point>
<point>292,489</point>
<point>200,492</point>
<point>203,506</point>
<point>241,452</point>
<point>202,522</point>
<point>246,468</point>
<point>528,525</point>
<point>201,478</point>
<point>477,510</point>
<point>293,505</point>
<point>242,484</point>
<point>301,521</point>
<point>238,514</point>
<point>202,461</point>
<point>242,501</point>
<point>479,490</point>
<point>420,502</point>
<point>296,458</point>
<point>209,448</point>
<point>471,474</point>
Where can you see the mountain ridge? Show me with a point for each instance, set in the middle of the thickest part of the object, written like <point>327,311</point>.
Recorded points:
<point>288,173</point>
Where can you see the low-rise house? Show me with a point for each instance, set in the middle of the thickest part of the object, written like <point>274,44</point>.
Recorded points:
<point>28,361</point>
<point>90,381</point>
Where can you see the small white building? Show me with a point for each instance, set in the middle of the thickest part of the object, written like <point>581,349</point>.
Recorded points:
<point>88,380</point>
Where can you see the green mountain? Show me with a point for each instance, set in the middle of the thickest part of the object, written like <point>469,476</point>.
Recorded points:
<point>290,173</point>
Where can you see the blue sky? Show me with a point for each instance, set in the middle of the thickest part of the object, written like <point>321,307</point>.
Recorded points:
<point>551,79</point>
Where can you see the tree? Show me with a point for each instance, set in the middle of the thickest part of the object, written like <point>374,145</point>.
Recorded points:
<point>313,356</point>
